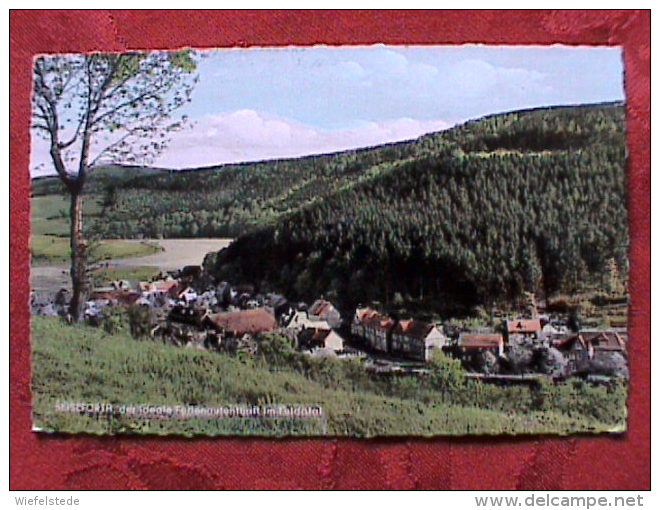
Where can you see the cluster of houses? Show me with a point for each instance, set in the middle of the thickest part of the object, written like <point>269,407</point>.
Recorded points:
<point>583,352</point>
<point>187,308</point>
<point>409,338</point>
<point>313,330</point>
<point>572,352</point>
<point>316,328</point>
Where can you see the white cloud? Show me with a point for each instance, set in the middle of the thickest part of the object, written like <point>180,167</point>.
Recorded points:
<point>480,79</point>
<point>390,61</point>
<point>360,96</point>
<point>248,135</point>
<point>351,69</point>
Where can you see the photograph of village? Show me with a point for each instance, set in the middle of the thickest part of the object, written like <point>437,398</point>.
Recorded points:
<point>330,241</point>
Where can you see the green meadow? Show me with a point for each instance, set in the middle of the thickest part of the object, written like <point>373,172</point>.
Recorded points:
<point>49,242</point>
<point>83,364</point>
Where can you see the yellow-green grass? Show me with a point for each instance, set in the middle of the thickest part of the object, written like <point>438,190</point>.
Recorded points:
<point>109,274</point>
<point>52,249</point>
<point>50,232</point>
<point>49,214</point>
<point>83,364</point>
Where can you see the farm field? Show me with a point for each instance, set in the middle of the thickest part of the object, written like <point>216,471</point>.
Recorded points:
<point>50,232</point>
<point>51,249</point>
<point>49,214</point>
<point>143,260</point>
<point>85,364</point>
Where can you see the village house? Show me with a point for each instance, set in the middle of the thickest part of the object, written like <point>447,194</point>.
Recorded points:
<point>188,315</point>
<point>299,319</point>
<point>312,339</point>
<point>244,322</point>
<point>158,289</point>
<point>528,328</point>
<point>417,339</point>
<point>322,310</point>
<point>575,350</point>
<point>608,353</point>
<point>112,296</point>
<point>588,345</point>
<point>609,340</point>
<point>183,292</point>
<point>471,343</point>
<point>357,324</point>
<point>602,344</point>
<point>377,331</point>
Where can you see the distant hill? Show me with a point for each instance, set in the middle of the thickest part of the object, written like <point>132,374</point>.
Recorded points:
<point>98,179</point>
<point>532,200</point>
<point>478,213</point>
<point>230,200</point>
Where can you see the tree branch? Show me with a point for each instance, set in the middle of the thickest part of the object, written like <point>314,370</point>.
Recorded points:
<point>131,102</point>
<point>64,145</point>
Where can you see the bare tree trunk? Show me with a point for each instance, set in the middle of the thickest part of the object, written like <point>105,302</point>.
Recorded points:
<point>78,259</point>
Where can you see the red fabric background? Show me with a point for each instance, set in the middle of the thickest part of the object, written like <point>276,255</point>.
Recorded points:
<point>80,462</point>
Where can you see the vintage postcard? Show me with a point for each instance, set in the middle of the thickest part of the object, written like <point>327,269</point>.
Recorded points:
<point>330,241</point>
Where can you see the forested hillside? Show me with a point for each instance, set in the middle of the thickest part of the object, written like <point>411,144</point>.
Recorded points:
<point>230,200</point>
<point>99,180</point>
<point>530,200</point>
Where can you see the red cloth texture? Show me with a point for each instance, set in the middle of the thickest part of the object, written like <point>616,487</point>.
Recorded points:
<point>85,462</point>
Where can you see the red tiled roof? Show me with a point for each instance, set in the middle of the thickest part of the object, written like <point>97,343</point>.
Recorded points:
<point>378,321</point>
<point>413,328</point>
<point>159,286</point>
<point>314,336</point>
<point>567,341</point>
<point>321,308</point>
<point>361,314</point>
<point>523,325</point>
<point>245,321</point>
<point>122,296</point>
<point>597,340</point>
<point>373,319</point>
<point>604,340</point>
<point>480,340</point>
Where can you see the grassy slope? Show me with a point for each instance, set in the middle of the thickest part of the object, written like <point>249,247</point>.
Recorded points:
<point>50,229</point>
<point>85,364</point>
<point>51,249</point>
<point>49,214</point>
<point>109,274</point>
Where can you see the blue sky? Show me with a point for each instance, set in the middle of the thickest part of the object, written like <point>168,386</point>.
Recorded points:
<point>253,104</point>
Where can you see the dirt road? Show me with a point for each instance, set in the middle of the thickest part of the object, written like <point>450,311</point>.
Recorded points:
<point>176,254</point>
